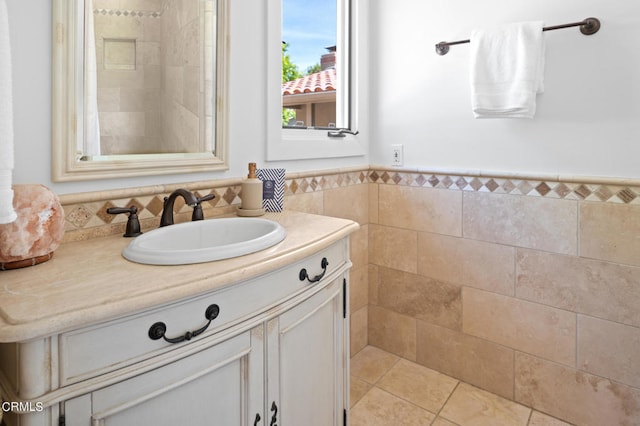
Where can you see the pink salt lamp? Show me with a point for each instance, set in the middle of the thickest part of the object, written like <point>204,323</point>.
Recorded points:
<point>38,230</point>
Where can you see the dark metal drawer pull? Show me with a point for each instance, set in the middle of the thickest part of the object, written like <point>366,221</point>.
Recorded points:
<point>158,329</point>
<point>255,422</point>
<point>305,276</point>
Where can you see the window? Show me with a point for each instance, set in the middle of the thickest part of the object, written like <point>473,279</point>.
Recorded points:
<point>309,69</point>
<point>311,80</point>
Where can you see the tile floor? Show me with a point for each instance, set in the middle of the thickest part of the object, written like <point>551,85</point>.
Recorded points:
<point>389,390</point>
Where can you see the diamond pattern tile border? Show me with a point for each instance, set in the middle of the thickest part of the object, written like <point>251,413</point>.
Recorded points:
<point>83,216</point>
<point>528,187</point>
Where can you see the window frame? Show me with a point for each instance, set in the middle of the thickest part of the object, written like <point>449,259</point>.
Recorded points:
<point>309,143</point>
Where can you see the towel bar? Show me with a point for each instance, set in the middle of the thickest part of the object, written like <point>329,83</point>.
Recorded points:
<point>587,27</point>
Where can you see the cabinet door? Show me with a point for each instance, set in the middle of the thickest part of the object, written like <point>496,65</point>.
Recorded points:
<point>220,385</point>
<point>307,362</point>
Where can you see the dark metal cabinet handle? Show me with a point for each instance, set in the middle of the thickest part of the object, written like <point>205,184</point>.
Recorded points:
<point>158,330</point>
<point>274,408</point>
<point>258,418</point>
<point>305,276</point>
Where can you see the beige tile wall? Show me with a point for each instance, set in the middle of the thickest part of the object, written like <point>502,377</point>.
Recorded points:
<point>128,76</point>
<point>528,289</point>
<point>150,76</point>
<point>182,94</point>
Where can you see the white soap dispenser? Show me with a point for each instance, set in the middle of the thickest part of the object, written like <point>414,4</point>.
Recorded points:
<point>251,194</point>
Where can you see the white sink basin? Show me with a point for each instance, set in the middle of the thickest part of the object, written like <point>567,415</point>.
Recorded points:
<point>204,241</point>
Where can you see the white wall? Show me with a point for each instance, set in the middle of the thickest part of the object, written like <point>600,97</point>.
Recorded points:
<point>588,119</point>
<point>587,123</point>
<point>30,30</point>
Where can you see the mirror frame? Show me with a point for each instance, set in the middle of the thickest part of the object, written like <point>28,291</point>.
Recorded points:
<point>67,76</point>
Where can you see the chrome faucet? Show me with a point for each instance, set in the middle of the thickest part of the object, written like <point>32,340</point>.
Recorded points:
<point>167,211</point>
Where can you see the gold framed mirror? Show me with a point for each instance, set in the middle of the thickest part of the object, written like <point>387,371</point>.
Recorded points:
<point>139,92</point>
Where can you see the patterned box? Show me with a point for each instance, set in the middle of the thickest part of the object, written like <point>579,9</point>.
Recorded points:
<point>272,188</point>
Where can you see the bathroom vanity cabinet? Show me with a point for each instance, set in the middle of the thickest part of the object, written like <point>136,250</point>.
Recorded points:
<point>270,348</point>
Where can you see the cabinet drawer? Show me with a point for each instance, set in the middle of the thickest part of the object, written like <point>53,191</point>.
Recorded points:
<point>95,350</point>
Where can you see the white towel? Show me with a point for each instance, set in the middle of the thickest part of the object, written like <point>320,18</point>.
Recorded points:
<point>507,69</point>
<point>7,213</point>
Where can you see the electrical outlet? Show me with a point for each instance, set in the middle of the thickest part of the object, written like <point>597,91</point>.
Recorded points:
<point>397,156</point>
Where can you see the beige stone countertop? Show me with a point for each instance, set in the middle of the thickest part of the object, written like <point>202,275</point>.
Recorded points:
<point>87,282</point>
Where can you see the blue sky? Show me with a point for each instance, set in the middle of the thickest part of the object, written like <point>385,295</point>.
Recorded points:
<point>308,26</point>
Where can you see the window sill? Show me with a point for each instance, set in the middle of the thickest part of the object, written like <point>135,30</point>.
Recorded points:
<point>300,144</point>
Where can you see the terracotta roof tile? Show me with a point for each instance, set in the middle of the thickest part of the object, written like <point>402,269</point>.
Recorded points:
<point>323,81</point>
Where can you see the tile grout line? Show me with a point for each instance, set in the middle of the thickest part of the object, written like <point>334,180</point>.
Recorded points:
<point>530,415</point>
<point>402,397</point>
<point>446,401</point>
<point>513,384</point>
<point>438,413</point>
<point>405,400</point>
<point>388,370</point>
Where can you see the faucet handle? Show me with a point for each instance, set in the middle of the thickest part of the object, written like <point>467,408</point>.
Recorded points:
<point>197,209</point>
<point>133,224</point>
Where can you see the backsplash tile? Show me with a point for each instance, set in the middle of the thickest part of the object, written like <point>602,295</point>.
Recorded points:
<point>531,222</point>
<point>392,332</point>
<point>476,361</point>
<point>479,264</point>
<point>610,232</point>
<point>349,202</point>
<point>86,220</point>
<point>79,216</point>
<point>422,209</point>
<point>89,219</point>
<point>423,298</point>
<point>572,395</point>
<point>532,187</point>
<point>586,286</point>
<point>393,247</point>
<point>529,327</point>
<point>596,339</point>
